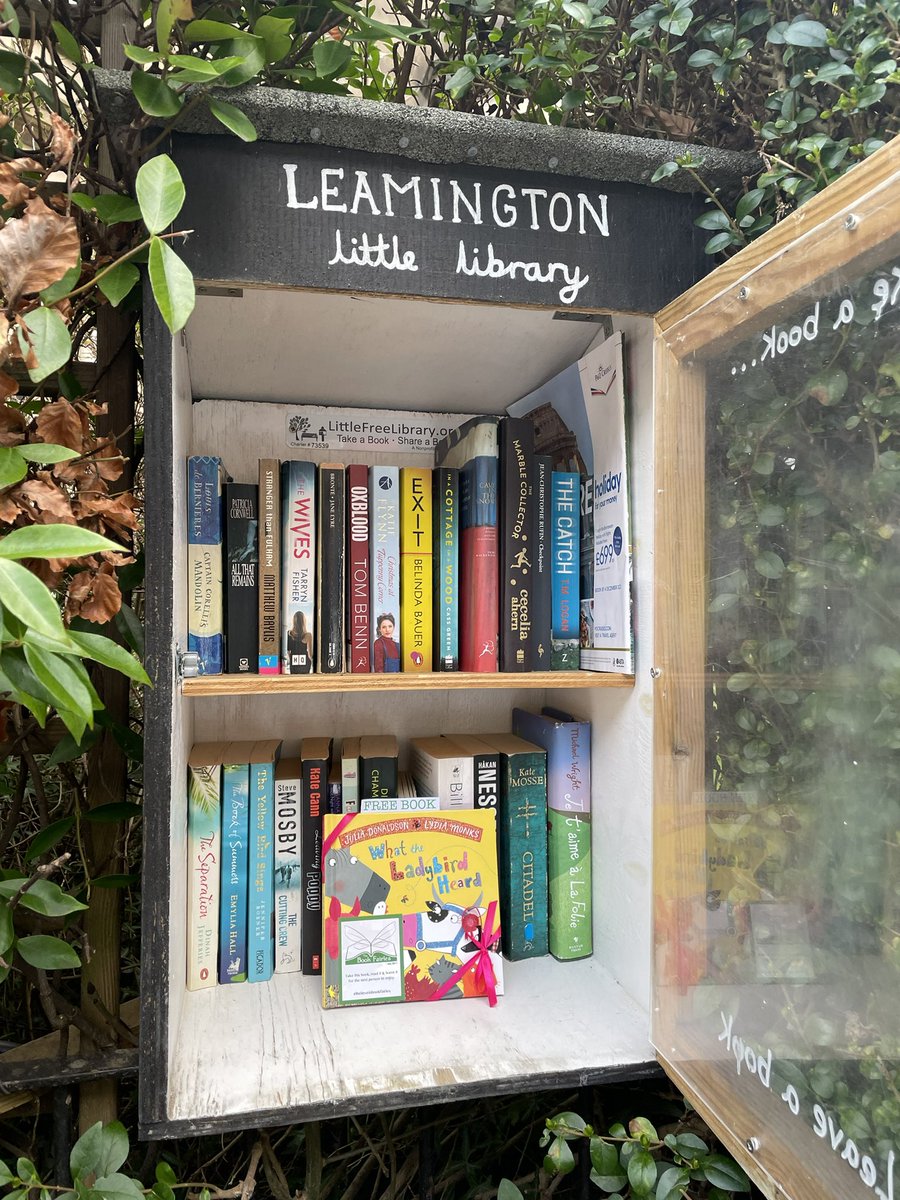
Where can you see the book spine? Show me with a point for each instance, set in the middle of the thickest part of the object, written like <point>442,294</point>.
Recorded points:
<point>486,779</point>
<point>288,873</point>
<point>569,830</point>
<point>330,617</point>
<point>416,535</point>
<point>350,775</point>
<point>206,632</point>
<point>359,635</point>
<point>564,571</point>
<point>269,567</point>
<point>445,484</point>
<point>522,853</point>
<point>541,585</point>
<point>315,778</point>
<point>261,901</point>
<point>384,567</point>
<point>241,578</point>
<point>298,593</point>
<point>377,777</point>
<point>334,798</point>
<point>516,544</point>
<point>235,863</point>
<point>479,609</point>
<point>586,568</point>
<point>204,865</point>
<point>447,777</point>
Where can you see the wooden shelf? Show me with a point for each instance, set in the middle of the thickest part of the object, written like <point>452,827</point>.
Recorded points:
<point>247,685</point>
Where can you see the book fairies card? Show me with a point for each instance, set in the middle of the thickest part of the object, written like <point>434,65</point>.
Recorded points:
<point>410,908</point>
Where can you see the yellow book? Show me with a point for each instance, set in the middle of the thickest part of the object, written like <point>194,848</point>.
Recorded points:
<point>416,539</point>
<point>410,907</point>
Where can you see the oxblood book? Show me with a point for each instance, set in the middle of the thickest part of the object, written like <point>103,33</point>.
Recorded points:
<point>384,567</point>
<point>206,631</point>
<point>416,536</point>
<point>241,578</point>
<point>565,505</point>
<point>410,908</point>
<point>288,866</point>
<point>315,759</point>
<point>269,567</point>
<point>473,448</point>
<point>445,508</point>
<point>204,846</point>
<point>298,578</point>
<point>359,633</point>
<point>261,893</point>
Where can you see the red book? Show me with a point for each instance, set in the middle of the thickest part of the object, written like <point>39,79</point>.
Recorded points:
<point>359,641</point>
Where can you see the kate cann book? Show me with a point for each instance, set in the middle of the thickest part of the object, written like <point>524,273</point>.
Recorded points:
<point>315,759</point>
<point>410,908</point>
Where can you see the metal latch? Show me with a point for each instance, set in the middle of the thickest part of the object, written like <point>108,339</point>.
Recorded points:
<point>187,663</point>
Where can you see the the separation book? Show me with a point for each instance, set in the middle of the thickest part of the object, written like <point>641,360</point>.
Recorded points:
<point>204,860</point>
<point>410,908</point>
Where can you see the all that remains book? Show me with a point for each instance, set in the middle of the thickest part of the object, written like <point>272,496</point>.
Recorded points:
<point>410,908</point>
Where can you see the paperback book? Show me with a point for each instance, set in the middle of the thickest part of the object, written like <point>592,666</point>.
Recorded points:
<point>384,567</point>
<point>298,572</point>
<point>269,567</point>
<point>359,625</point>
<point>378,766</point>
<point>261,895</point>
<point>206,630</point>
<point>315,759</point>
<point>204,859</point>
<point>516,544</point>
<point>331,569</point>
<point>288,865</point>
<point>564,571</point>
<point>350,775</point>
<point>541,583</point>
<point>410,908</point>
<point>441,768</point>
<point>416,536</point>
<point>445,483</point>
<point>235,863</point>
<point>241,580</point>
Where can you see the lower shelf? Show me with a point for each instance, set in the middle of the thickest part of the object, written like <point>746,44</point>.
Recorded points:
<point>245,685</point>
<point>257,1054</point>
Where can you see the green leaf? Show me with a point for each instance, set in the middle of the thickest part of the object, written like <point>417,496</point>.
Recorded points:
<point>104,650</point>
<point>723,602</point>
<point>460,82</point>
<point>141,54</point>
<point>154,95</point>
<point>26,1171</point>
<point>828,387</point>
<point>172,283</point>
<point>559,1159</point>
<point>7,937</point>
<point>749,203</point>
<point>41,842</point>
<point>606,1173</point>
<point>210,31</point>
<point>803,32</point>
<point>567,1121</point>
<point>46,452</point>
<point>508,1190</point>
<point>704,58</point>
<point>232,118</point>
<point>110,882</point>
<point>28,599</point>
<point>578,11</point>
<point>67,748</point>
<point>375,31</point>
<point>276,34</point>
<point>110,209</point>
<point>49,342</point>
<point>43,897</point>
<point>118,282</point>
<point>642,1171</point>
<point>720,241</point>
<point>67,42</point>
<point>13,466</point>
<point>769,564</point>
<point>60,681</point>
<point>12,72</point>
<point>6,1175</point>
<point>640,1127</point>
<point>722,1172</point>
<point>47,953</point>
<point>160,192</point>
<point>166,1175</point>
<point>775,650</point>
<point>664,171</point>
<point>201,70</point>
<point>117,1187</point>
<point>118,810</point>
<point>99,1151</point>
<point>56,291</point>
<point>331,58</point>
<point>764,464</point>
<point>251,52</point>
<point>672,1183</point>
<point>740,682</point>
<point>55,541</point>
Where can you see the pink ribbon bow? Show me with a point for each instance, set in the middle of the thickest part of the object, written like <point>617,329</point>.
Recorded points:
<point>480,961</point>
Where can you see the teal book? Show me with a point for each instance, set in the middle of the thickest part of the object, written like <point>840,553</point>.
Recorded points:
<point>261,887</point>
<point>235,863</point>
<point>567,741</point>
<point>206,629</point>
<point>522,845</point>
<point>565,570</point>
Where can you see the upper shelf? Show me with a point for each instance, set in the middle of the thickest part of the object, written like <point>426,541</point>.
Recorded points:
<point>246,685</point>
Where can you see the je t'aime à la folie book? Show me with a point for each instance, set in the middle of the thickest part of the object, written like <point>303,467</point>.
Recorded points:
<point>410,908</point>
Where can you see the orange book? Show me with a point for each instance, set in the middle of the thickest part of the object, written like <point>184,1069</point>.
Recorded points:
<point>416,541</point>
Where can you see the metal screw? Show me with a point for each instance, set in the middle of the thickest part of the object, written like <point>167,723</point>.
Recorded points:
<point>851,221</point>
<point>752,1144</point>
<point>744,293</point>
<point>472,151</point>
<point>655,672</point>
<point>315,133</point>
<point>553,163</point>
<point>403,143</point>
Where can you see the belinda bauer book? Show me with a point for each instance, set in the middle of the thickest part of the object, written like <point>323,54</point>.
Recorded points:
<point>411,909</point>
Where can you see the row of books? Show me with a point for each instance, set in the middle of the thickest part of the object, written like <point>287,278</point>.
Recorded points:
<point>260,857</point>
<point>471,565</point>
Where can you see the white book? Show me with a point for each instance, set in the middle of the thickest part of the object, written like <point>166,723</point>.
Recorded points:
<point>441,769</point>
<point>288,872</point>
<point>204,862</point>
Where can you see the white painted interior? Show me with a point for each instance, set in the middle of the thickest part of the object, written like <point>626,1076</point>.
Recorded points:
<point>250,1047</point>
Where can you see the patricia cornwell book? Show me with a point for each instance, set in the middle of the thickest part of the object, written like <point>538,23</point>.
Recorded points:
<point>410,908</point>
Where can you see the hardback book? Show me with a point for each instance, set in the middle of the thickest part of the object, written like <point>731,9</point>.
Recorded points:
<point>442,768</point>
<point>394,804</point>
<point>350,775</point>
<point>445,508</point>
<point>416,539</point>
<point>522,845</point>
<point>567,741</point>
<point>288,867</point>
<point>485,768</point>
<point>410,908</point>
<point>516,543</point>
<point>298,568</point>
<point>206,631</point>
<point>204,859</point>
<point>565,546</point>
<point>541,583</point>
<point>332,570</point>
<point>334,801</point>
<point>261,894</point>
<point>473,448</point>
<point>384,567</point>
<point>378,766</point>
<point>241,578</point>
<point>315,760</point>
<point>269,530</point>
<point>235,863</point>
<point>359,599</point>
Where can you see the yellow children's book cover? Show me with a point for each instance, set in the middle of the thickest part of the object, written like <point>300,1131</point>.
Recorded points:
<point>410,908</point>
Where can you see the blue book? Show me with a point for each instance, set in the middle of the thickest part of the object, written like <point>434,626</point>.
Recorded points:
<point>206,630</point>
<point>445,511</point>
<point>235,863</point>
<point>261,893</point>
<point>565,549</point>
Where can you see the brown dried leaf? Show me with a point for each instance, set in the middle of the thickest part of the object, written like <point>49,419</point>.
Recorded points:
<point>36,250</point>
<point>62,425</point>
<point>9,510</point>
<point>12,426</point>
<point>45,571</point>
<point>94,595</point>
<point>110,463</point>
<point>115,512</point>
<point>62,144</point>
<point>11,186</point>
<point>8,387</point>
<point>48,503</point>
<point>674,123</point>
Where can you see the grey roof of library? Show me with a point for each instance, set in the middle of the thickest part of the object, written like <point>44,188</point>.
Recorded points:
<point>436,136</point>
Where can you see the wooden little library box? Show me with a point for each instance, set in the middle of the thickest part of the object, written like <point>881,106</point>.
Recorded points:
<point>411,260</point>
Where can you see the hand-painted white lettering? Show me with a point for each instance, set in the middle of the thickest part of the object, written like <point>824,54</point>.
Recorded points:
<point>459,197</point>
<point>390,185</point>
<point>532,194</point>
<point>555,199</point>
<point>436,215</point>
<point>361,252</point>
<point>364,192</point>
<point>327,191</point>
<point>509,211</point>
<point>601,219</point>
<point>290,170</point>
<point>468,262</point>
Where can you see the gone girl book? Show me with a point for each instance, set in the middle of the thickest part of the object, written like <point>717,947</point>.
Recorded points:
<point>410,907</point>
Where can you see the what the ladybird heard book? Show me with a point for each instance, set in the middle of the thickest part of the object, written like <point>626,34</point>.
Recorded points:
<point>410,909</point>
